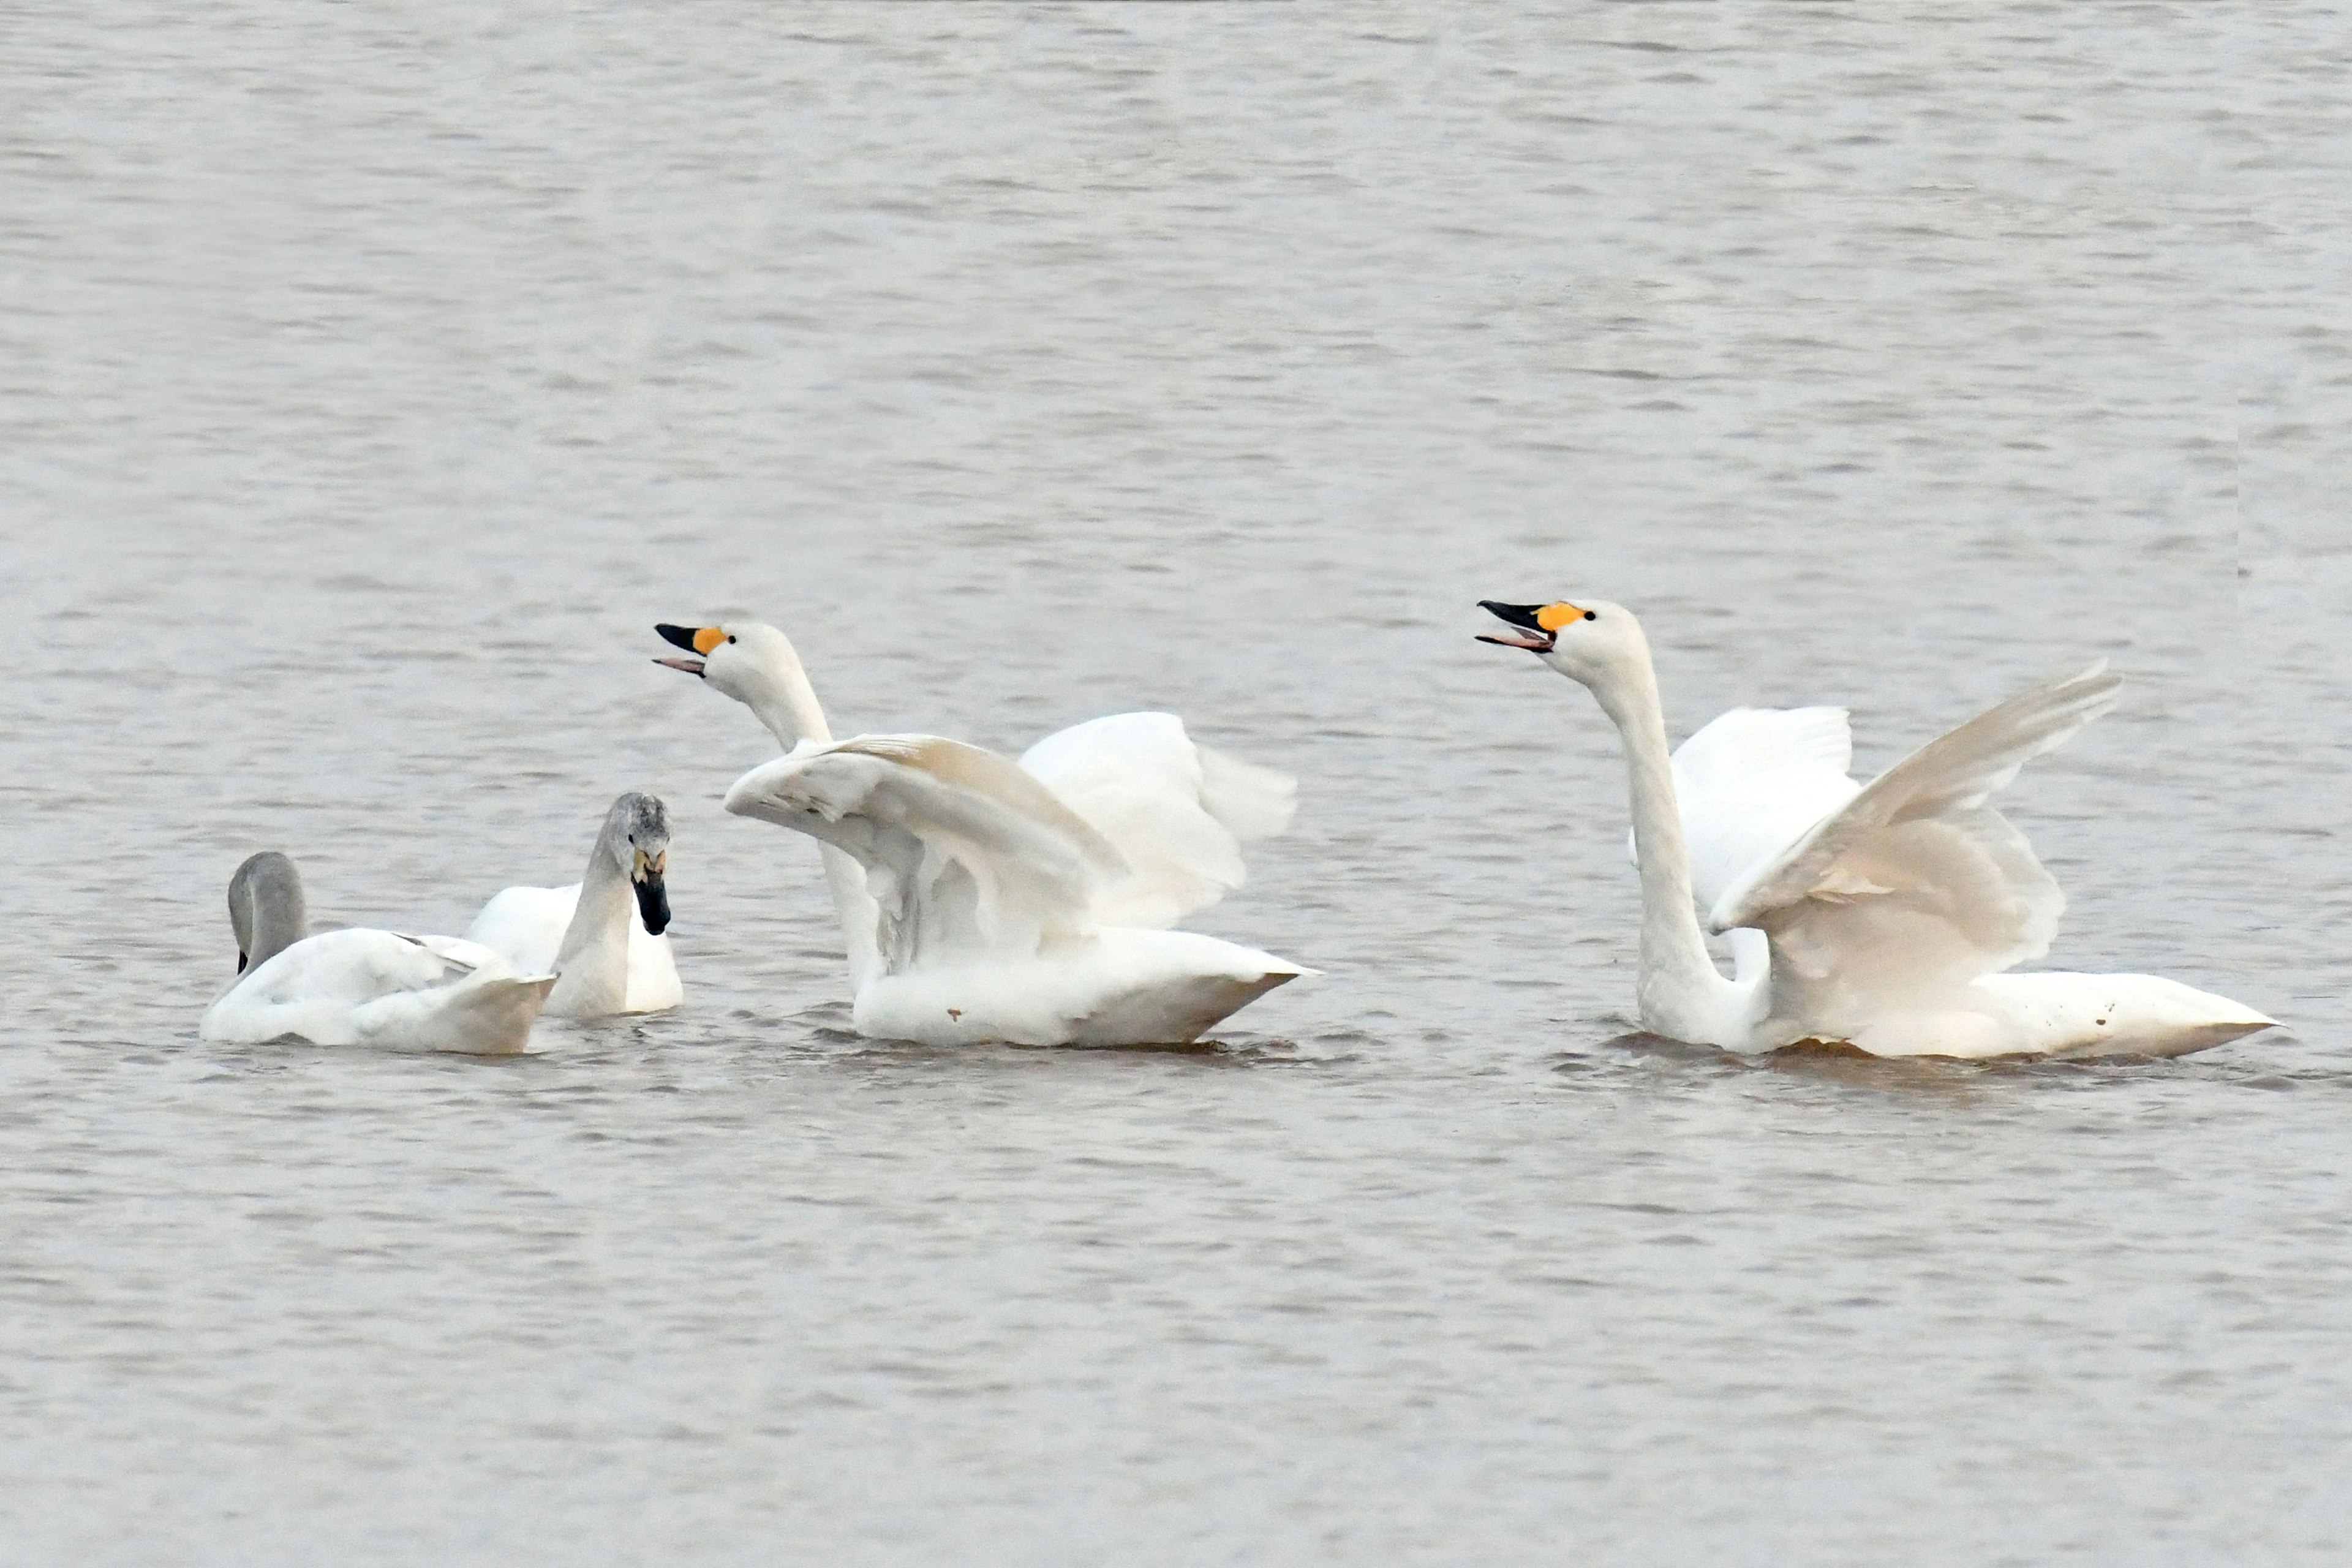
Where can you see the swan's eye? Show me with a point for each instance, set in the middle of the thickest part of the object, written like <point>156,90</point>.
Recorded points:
<point>731,639</point>
<point>1589,615</point>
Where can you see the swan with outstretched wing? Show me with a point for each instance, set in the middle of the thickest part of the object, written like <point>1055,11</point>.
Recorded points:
<point>1888,921</point>
<point>982,899</point>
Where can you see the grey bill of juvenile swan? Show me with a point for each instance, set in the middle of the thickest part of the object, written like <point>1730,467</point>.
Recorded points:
<point>266,908</point>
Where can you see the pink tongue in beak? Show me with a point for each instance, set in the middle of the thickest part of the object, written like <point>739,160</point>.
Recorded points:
<point>691,666</point>
<point>1533,642</point>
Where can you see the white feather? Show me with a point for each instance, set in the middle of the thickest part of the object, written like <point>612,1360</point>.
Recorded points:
<point>526,925</point>
<point>368,987</point>
<point>988,892</point>
<point>1178,813</point>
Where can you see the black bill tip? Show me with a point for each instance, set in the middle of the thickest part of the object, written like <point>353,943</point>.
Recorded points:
<point>677,637</point>
<point>653,905</point>
<point>1518,615</point>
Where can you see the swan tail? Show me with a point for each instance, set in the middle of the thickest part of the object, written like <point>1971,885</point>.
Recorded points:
<point>484,1013</point>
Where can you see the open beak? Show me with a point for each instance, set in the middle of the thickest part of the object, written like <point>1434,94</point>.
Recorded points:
<point>694,639</point>
<point>1534,638</point>
<point>653,897</point>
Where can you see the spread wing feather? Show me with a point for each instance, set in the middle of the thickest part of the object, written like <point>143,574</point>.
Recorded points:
<point>963,853</point>
<point>1750,783</point>
<point>1178,812</point>
<point>1917,881</point>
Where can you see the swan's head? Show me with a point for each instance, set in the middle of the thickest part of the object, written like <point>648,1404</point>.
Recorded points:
<point>1595,644</point>
<point>637,835</point>
<point>266,908</point>
<point>749,660</point>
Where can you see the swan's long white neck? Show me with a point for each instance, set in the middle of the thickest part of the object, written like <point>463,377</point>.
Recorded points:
<point>1682,994</point>
<point>593,962</point>
<point>788,706</point>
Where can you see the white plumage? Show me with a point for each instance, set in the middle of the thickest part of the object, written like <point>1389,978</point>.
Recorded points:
<point>366,987</point>
<point>986,900</point>
<point>1881,916</point>
<point>527,926</point>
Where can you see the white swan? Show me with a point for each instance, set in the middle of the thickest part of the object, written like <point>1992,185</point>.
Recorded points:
<point>608,957</point>
<point>1888,919</point>
<point>361,987</point>
<point>986,901</point>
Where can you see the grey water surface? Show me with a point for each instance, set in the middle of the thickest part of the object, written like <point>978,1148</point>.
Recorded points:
<point>371,379</point>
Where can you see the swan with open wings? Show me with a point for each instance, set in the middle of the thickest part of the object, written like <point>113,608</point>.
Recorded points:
<point>984,900</point>
<point>1883,916</point>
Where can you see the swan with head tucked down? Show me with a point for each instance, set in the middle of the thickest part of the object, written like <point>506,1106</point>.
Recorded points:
<point>1881,916</point>
<point>983,899</point>
<point>601,936</point>
<point>361,987</point>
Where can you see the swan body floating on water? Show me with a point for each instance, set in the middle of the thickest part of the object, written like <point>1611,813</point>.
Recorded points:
<point>1880,916</point>
<point>983,899</point>
<point>605,948</point>
<point>361,987</point>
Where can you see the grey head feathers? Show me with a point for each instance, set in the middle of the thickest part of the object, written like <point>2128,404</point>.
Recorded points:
<point>266,908</point>
<point>636,837</point>
<point>641,820</point>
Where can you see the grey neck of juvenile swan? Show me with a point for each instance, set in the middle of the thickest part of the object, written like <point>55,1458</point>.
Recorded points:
<point>789,707</point>
<point>592,963</point>
<point>266,908</point>
<point>1682,994</point>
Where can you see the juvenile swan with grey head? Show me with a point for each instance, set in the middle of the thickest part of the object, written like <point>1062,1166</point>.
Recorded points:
<point>602,936</point>
<point>1887,914</point>
<point>984,900</point>
<point>361,986</point>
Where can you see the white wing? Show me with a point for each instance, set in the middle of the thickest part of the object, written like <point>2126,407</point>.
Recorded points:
<point>1178,813</point>
<point>1751,782</point>
<point>964,854</point>
<point>1915,883</point>
<point>526,925</point>
<point>365,986</point>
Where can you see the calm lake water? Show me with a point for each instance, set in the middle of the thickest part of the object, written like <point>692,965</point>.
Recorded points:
<point>371,380</point>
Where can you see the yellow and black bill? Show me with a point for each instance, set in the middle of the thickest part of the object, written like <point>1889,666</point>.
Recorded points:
<point>1540,622</point>
<point>694,639</point>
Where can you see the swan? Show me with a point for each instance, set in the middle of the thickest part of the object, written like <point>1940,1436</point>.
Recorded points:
<point>983,899</point>
<point>1887,920</point>
<point>361,987</point>
<point>607,957</point>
